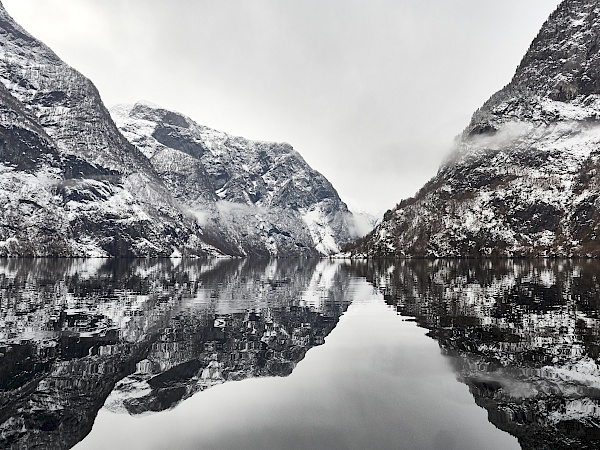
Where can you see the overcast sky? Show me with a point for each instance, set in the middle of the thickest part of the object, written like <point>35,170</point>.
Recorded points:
<point>370,92</point>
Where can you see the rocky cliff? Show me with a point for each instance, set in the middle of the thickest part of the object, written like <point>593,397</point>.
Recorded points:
<point>522,178</point>
<point>97,195</point>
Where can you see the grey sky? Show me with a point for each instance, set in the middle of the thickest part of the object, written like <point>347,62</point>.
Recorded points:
<point>370,92</point>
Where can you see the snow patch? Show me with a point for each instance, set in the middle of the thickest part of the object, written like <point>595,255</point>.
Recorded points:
<point>320,231</point>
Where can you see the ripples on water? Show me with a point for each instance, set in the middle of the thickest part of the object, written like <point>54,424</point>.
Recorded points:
<point>142,336</point>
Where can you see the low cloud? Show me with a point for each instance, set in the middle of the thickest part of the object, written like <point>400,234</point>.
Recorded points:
<point>361,224</point>
<point>507,134</point>
<point>227,208</point>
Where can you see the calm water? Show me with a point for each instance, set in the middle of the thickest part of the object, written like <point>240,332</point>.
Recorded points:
<point>146,354</point>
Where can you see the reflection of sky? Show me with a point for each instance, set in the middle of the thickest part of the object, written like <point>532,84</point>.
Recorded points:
<point>378,382</point>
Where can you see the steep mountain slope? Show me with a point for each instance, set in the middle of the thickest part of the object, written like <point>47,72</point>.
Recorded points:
<point>260,197</point>
<point>73,185</point>
<point>521,180</point>
<point>92,192</point>
<point>30,164</point>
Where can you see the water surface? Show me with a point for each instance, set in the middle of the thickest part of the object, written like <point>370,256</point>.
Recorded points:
<point>298,354</point>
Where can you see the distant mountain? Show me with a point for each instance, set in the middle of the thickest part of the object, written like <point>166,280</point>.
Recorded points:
<point>258,197</point>
<point>72,185</point>
<point>522,179</point>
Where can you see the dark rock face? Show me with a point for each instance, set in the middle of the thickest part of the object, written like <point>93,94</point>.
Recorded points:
<point>72,185</point>
<point>32,221</point>
<point>521,179</point>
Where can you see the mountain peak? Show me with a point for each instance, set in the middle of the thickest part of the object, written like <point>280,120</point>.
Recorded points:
<point>557,79</point>
<point>20,43</point>
<point>563,60</point>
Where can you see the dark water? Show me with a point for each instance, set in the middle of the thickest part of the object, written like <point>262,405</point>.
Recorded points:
<point>299,354</point>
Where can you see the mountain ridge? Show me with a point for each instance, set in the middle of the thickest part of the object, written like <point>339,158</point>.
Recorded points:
<point>285,204</point>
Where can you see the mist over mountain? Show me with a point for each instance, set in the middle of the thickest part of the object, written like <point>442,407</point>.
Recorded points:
<point>72,185</point>
<point>521,180</point>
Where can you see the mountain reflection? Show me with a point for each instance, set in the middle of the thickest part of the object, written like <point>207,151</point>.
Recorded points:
<point>522,334</point>
<point>142,335</point>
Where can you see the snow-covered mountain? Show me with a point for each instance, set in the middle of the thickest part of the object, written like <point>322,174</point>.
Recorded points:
<point>258,197</point>
<point>72,185</point>
<point>522,179</point>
